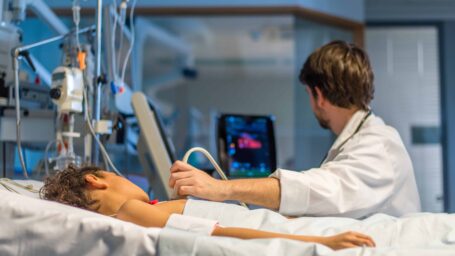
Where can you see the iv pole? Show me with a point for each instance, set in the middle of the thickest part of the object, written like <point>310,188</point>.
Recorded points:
<point>98,79</point>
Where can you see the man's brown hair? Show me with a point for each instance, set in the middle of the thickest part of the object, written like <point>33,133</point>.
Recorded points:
<point>69,186</point>
<point>342,72</point>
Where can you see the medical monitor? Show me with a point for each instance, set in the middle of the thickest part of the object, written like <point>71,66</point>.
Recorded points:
<point>156,152</point>
<point>246,145</point>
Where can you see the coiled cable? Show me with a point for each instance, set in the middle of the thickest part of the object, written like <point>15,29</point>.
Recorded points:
<point>212,161</point>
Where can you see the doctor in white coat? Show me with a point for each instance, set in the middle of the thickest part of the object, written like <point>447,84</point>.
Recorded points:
<point>366,171</point>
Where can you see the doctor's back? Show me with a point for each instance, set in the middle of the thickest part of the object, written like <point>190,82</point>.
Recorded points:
<point>381,160</point>
<point>403,196</point>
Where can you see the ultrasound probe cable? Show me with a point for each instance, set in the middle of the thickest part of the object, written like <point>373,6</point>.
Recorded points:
<point>212,161</point>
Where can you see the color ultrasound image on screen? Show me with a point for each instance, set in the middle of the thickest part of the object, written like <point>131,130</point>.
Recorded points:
<point>248,146</point>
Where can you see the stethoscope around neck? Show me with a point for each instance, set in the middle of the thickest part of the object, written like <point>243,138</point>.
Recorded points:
<point>340,147</point>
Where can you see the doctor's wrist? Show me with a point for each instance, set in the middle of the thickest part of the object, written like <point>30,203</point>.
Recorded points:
<point>225,190</point>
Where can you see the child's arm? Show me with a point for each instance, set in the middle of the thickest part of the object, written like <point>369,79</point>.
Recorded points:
<point>147,215</point>
<point>340,241</point>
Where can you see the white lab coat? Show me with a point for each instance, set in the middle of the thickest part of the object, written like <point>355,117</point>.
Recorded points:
<point>371,173</point>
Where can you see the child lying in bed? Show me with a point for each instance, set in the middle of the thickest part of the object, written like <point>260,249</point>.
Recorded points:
<point>104,192</point>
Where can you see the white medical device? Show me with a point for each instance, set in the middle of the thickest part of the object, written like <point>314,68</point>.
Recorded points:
<point>67,92</point>
<point>67,89</point>
<point>9,38</point>
<point>154,149</point>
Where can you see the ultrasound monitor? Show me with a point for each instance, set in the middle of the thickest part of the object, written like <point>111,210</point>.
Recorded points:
<point>246,145</point>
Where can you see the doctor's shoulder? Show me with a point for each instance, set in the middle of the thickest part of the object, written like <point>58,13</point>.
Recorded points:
<point>380,132</point>
<point>376,131</point>
<point>376,126</point>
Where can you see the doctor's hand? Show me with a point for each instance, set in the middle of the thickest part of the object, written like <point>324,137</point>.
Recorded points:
<point>189,181</point>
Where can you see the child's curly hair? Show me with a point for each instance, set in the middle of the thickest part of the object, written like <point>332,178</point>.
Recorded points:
<point>69,186</point>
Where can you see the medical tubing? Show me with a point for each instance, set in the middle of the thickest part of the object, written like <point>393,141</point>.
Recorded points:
<point>113,36</point>
<point>77,19</point>
<point>133,34</point>
<point>86,117</point>
<point>106,163</point>
<point>18,116</point>
<point>101,146</point>
<point>123,6</point>
<point>4,181</point>
<point>46,156</point>
<point>70,150</point>
<point>212,161</point>
<point>92,131</point>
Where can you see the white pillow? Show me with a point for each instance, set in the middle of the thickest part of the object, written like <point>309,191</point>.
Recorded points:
<point>31,226</point>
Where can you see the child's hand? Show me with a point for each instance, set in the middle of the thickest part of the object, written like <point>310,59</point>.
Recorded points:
<point>347,240</point>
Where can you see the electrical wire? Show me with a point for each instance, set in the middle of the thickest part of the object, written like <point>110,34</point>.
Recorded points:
<point>212,161</point>
<point>19,148</point>
<point>133,34</point>
<point>92,131</point>
<point>18,118</point>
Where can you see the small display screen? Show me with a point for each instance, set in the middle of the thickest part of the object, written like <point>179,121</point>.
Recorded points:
<point>249,146</point>
<point>58,76</point>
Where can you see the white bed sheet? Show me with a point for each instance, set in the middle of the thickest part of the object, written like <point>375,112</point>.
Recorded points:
<point>417,234</point>
<point>30,226</point>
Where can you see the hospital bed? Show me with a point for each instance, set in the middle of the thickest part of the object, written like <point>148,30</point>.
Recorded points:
<point>32,226</point>
<point>413,235</point>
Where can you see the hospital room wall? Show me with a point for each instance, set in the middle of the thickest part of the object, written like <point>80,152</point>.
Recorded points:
<point>405,60</point>
<point>440,14</point>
